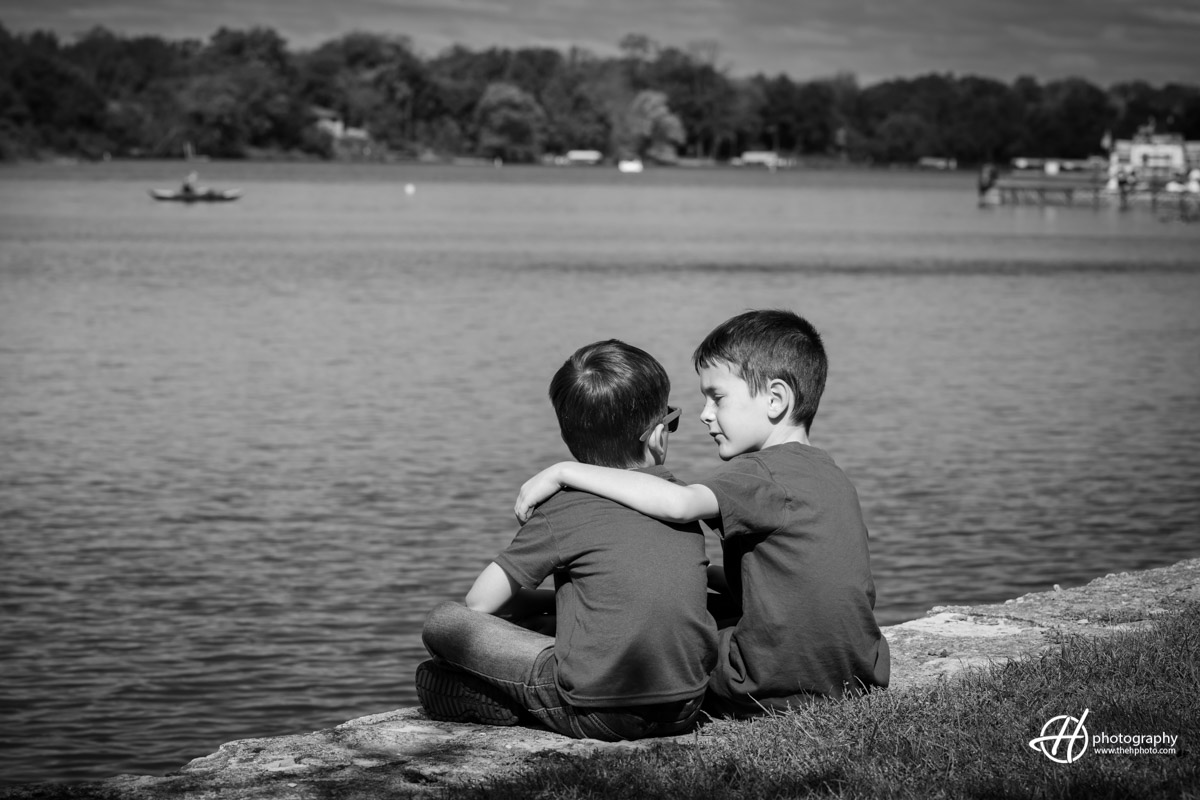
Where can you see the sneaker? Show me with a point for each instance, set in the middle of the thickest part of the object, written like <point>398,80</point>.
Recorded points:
<point>453,696</point>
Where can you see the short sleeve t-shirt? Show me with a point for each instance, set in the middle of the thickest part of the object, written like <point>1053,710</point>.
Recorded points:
<point>795,548</point>
<point>632,625</point>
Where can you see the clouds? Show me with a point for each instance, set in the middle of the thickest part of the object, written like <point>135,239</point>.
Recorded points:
<point>1102,40</point>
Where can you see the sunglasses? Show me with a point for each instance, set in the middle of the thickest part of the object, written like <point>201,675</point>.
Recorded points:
<point>671,420</point>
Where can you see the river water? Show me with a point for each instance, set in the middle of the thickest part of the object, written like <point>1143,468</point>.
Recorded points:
<point>245,447</point>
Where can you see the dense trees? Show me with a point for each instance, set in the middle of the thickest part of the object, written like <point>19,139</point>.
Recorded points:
<point>245,93</point>
<point>511,124</point>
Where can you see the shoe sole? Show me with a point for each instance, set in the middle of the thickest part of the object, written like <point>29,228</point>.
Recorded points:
<point>457,697</point>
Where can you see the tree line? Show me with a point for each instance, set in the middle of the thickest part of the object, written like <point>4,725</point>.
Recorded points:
<point>245,94</point>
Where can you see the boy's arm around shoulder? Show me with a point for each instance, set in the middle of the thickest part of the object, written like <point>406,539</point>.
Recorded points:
<point>648,494</point>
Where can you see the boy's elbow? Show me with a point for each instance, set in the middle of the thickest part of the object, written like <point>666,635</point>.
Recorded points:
<point>690,504</point>
<point>679,510</point>
<point>677,517</point>
<point>483,602</point>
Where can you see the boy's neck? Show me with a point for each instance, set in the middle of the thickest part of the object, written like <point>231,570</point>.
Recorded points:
<point>785,434</point>
<point>645,463</point>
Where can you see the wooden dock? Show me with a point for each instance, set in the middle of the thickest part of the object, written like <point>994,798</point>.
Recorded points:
<point>1025,192</point>
<point>1085,193</point>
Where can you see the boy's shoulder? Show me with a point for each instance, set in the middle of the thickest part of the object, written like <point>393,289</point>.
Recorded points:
<point>776,489</point>
<point>781,458</point>
<point>776,472</point>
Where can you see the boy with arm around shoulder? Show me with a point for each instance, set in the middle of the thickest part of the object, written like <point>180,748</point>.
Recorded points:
<point>633,643</point>
<point>794,542</point>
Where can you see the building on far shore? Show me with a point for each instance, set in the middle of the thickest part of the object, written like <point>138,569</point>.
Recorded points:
<point>331,122</point>
<point>348,142</point>
<point>585,158</point>
<point>937,162</point>
<point>763,158</point>
<point>1154,155</point>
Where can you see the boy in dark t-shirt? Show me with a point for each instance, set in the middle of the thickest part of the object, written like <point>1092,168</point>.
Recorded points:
<point>797,567</point>
<point>634,643</point>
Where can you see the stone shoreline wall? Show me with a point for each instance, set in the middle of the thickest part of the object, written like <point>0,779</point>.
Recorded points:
<point>402,754</point>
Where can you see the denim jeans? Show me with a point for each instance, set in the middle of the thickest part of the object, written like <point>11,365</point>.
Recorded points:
<point>522,664</point>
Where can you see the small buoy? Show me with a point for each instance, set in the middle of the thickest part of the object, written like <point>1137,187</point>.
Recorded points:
<point>409,189</point>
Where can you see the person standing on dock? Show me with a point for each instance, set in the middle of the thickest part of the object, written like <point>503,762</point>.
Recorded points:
<point>987,178</point>
<point>1126,181</point>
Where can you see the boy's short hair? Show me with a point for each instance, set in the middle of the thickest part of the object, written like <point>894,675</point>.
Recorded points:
<point>605,396</point>
<point>770,344</point>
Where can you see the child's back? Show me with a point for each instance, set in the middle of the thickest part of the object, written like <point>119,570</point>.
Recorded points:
<point>795,552</point>
<point>629,597</point>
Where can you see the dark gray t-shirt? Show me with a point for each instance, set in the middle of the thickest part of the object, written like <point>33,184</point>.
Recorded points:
<point>795,549</point>
<point>632,625</point>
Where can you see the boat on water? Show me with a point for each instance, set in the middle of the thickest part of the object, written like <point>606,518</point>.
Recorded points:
<point>190,191</point>
<point>200,195</point>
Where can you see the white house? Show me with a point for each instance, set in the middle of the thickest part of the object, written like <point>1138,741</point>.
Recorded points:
<point>766,158</point>
<point>588,157</point>
<point>335,126</point>
<point>1162,154</point>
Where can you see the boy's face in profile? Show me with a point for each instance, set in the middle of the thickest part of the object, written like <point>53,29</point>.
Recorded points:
<point>737,420</point>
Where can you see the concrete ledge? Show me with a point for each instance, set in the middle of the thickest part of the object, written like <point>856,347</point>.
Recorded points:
<point>951,638</point>
<point>402,754</point>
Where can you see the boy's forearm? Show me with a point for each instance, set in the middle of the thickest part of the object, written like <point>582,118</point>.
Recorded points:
<point>648,494</point>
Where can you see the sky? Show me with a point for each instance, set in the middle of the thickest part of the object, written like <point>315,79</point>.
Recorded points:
<point>1103,41</point>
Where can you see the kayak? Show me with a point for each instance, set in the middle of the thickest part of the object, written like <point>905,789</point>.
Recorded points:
<point>198,196</point>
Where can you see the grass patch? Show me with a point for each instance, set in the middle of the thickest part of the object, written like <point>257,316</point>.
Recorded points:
<point>966,737</point>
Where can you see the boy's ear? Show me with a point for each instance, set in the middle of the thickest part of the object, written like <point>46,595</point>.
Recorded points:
<point>656,444</point>
<point>780,399</point>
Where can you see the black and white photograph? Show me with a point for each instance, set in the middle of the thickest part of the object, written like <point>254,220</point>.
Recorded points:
<point>545,399</point>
